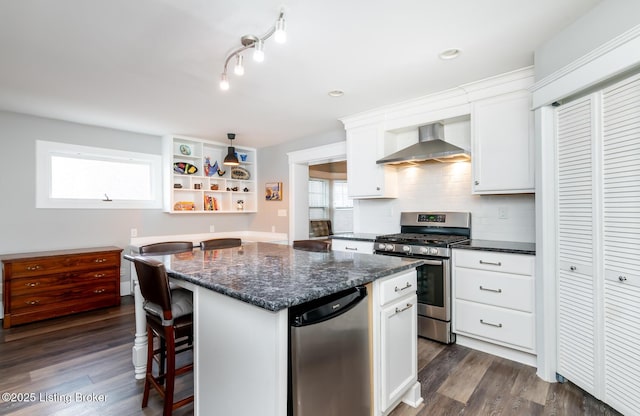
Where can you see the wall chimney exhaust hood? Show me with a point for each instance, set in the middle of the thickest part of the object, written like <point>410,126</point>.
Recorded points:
<point>430,146</point>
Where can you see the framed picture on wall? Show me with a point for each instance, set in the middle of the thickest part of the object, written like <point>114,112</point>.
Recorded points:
<point>273,191</point>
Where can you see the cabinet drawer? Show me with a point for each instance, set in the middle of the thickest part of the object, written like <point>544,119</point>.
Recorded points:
<point>354,246</point>
<point>47,265</point>
<point>498,289</point>
<point>397,287</point>
<point>37,284</point>
<point>494,261</point>
<point>54,296</point>
<point>511,328</point>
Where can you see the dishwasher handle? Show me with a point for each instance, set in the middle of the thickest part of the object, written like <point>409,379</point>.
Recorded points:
<point>327,308</point>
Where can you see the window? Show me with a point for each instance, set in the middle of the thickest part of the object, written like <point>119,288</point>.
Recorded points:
<point>318,199</point>
<point>340,195</point>
<point>73,176</point>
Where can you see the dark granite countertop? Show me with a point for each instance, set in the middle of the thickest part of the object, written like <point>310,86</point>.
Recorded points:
<point>275,276</point>
<point>355,236</point>
<point>501,246</point>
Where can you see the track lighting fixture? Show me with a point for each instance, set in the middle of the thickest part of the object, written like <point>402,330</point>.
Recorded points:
<point>255,42</point>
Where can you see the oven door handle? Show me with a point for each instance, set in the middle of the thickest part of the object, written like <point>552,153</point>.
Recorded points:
<point>433,262</point>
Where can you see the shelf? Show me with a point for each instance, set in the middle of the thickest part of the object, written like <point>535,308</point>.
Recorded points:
<point>196,189</point>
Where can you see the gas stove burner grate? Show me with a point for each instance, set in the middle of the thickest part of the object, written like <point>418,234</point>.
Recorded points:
<point>437,240</point>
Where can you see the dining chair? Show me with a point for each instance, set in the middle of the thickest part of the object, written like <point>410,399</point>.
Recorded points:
<point>216,243</point>
<point>169,316</point>
<point>312,245</point>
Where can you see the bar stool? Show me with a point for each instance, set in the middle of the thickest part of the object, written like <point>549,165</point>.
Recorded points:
<point>169,315</point>
<point>216,243</point>
<point>312,245</point>
<point>167,247</point>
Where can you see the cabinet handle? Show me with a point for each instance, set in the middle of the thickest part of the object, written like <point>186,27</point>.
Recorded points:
<point>34,267</point>
<point>398,310</point>
<point>351,248</point>
<point>476,182</point>
<point>32,284</point>
<point>400,289</point>
<point>100,260</point>
<point>377,188</point>
<point>490,290</point>
<point>622,278</point>
<point>98,291</point>
<point>99,275</point>
<point>32,302</point>
<point>573,268</point>
<point>491,263</point>
<point>490,324</point>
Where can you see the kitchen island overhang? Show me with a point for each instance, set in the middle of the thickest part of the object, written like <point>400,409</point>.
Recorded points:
<point>241,301</point>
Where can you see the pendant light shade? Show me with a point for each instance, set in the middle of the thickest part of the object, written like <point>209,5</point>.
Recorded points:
<point>231,159</point>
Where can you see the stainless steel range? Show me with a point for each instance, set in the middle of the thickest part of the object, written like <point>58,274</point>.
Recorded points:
<point>429,236</point>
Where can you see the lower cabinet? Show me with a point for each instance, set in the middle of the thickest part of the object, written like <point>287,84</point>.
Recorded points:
<point>395,342</point>
<point>493,301</point>
<point>352,246</point>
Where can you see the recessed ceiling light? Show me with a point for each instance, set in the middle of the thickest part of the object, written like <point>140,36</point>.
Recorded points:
<point>449,54</point>
<point>336,93</point>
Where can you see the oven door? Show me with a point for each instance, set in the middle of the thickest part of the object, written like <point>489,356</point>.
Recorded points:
<point>434,292</point>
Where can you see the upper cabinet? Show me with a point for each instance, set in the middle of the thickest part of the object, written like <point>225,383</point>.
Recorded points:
<point>502,144</point>
<point>196,181</point>
<point>367,179</point>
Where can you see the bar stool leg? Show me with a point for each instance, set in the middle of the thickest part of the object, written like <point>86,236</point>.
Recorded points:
<point>149,373</point>
<point>171,370</point>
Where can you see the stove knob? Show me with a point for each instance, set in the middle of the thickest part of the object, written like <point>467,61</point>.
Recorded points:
<point>389,247</point>
<point>406,249</point>
<point>382,246</point>
<point>424,250</point>
<point>433,250</point>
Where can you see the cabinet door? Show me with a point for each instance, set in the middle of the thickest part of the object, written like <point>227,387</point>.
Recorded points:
<point>621,244</point>
<point>367,179</point>
<point>502,145</point>
<point>399,338</point>
<point>576,337</point>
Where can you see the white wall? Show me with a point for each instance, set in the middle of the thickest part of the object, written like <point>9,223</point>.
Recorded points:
<point>435,186</point>
<point>605,21</point>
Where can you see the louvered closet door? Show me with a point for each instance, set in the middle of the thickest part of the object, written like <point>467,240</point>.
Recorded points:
<point>576,311</point>
<point>621,234</point>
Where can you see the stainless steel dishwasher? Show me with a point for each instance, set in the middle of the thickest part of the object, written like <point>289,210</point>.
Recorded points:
<point>329,366</point>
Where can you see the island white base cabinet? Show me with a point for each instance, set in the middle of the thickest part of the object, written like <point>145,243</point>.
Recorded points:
<point>240,357</point>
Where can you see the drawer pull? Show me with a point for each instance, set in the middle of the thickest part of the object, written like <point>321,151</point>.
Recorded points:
<point>622,278</point>
<point>398,310</point>
<point>400,289</point>
<point>34,267</point>
<point>490,263</point>
<point>351,248</point>
<point>98,291</point>
<point>490,324</point>
<point>32,302</point>
<point>32,284</point>
<point>490,290</point>
<point>573,268</point>
<point>100,260</point>
<point>99,275</point>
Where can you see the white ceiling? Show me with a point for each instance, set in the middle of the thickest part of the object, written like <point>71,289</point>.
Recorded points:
<point>153,66</point>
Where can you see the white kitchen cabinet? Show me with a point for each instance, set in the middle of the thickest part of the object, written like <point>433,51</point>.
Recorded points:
<point>206,190</point>
<point>598,197</point>
<point>366,178</point>
<point>352,246</point>
<point>502,144</point>
<point>396,342</point>
<point>493,299</point>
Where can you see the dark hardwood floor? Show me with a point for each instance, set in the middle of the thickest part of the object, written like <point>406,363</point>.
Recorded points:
<point>90,354</point>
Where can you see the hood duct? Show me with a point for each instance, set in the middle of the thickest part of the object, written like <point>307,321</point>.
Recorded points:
<point>430,146</point>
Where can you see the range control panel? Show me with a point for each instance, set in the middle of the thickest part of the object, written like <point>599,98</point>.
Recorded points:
<point>432,218</point>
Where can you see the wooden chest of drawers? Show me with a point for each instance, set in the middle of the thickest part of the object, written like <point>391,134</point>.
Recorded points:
<point>47,284</point>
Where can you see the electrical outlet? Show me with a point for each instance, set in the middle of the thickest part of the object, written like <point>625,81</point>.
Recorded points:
<point>503,214</point>
<point>212,228</point>
<point>134,232</point>
<point>273,228</point>
<point>282,213</point>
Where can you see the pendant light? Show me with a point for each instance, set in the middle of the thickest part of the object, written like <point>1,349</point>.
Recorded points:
<point>231,159</point>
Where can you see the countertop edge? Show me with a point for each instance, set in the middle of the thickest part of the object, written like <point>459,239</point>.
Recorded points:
<point>497,246</point>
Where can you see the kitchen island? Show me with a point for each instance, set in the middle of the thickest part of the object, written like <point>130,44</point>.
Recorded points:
<point>241,301</point>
